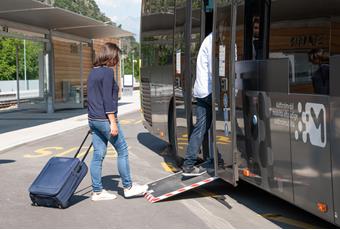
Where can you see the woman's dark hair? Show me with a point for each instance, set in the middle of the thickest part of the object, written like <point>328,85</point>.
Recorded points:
<point>108,55</point>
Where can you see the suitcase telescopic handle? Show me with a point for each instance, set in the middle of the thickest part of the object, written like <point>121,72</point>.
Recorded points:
<point>81,145</point>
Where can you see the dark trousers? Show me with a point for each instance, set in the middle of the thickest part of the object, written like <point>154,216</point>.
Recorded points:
<point>203,123</point>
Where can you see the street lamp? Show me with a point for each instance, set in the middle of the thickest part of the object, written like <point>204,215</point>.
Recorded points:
<point>133,66</point>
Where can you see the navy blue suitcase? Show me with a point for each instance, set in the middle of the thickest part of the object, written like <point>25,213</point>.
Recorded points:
<point>58,180</point>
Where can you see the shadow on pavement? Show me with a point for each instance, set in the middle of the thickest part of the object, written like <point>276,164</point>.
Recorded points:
<point>20,119</point>
<point>75,199</point>
<point>207,190</point>
<point>6,161</point>
<point>26,118</point>
<point>159,147</point>
<point>110,183</point>
<point>153,143</point>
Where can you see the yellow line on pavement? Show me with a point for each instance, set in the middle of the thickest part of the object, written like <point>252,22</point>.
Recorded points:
<point>81,154</point>
<point>168,167</point>
<point>286,220</point>
<point>182,139</point>
<point>221,143</point>
<point>43,152</point>
<point>66,152</point>
<point>182,143</point>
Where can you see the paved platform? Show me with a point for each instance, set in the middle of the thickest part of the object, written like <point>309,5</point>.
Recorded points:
<point>214,205</point>
<point>21,127</point>
<point>194,209</point>
<point>29,138</point>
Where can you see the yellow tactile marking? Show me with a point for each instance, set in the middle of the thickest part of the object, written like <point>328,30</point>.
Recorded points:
<point>42,152</point>
<point>168,167</point>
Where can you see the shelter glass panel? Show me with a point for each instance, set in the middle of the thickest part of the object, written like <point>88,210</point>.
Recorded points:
<point>22,73</point>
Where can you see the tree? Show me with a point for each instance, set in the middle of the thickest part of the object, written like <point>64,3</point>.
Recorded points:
<point>8,65</point>
<point>130,49</point>
<point>8,58</point>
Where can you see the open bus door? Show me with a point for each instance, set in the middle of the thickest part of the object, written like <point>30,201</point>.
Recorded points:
<point>185,37</point>
<point>223,130</point>
<point>192,24</point>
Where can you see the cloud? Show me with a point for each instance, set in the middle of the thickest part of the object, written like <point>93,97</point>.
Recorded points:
<point>121,12</point>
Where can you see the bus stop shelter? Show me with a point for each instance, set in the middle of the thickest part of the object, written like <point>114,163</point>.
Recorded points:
<point>64,43</point>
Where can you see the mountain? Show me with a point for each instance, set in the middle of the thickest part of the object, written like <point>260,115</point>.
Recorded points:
<point>87,8</point>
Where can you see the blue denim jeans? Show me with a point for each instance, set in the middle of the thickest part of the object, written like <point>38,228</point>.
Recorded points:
<point>101,135</point>
<point>203,123</point>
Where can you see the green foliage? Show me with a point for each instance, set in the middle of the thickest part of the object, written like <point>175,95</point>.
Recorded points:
<point>132,53</point>
<point>8,48</point>
<point>33,50</point>
<point>8,59</point>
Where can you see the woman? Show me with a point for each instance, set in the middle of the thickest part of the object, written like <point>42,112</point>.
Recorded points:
<point>102,95</point>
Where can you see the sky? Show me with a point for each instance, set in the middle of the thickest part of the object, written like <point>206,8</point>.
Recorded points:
<point>124,12</point>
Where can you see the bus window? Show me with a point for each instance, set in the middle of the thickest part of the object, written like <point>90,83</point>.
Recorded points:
<point>195,35</point>
<point>335,51</point>
<point>302,34</point>
<point>157,32</point>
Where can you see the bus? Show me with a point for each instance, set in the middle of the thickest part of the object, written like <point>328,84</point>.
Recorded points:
<point>276,91</point>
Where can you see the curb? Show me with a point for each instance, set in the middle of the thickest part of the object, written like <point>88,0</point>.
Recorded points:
<point>81,125</point>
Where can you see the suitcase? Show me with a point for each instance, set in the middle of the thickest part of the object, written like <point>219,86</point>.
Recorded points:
<point>58,180</point>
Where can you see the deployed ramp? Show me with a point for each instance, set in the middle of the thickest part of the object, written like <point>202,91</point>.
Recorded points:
<point>175,184</point>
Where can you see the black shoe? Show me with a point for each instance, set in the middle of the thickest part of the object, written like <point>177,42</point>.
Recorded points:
<point>193,171</point>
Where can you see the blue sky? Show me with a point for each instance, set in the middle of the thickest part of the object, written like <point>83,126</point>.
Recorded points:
<point>125,12</point>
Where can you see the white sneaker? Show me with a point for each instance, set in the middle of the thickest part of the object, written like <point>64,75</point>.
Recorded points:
<point>103,195</point>
<point>135,190</point>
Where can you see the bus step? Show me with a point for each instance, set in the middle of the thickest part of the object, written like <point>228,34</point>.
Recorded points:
<point>175,184</point>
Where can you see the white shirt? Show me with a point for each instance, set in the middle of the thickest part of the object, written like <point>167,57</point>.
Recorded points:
<point>202,87</point>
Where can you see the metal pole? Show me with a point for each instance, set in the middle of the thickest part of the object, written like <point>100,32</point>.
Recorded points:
<point>232,86</point>
<point>50,95</point>
<point>17,74</point>
<point>212,130</point>
<point>187,61</point>
<point>120,62</point>
<point>123,66</point>
<point>25,68</point>
<point>133,65</point>
<point>81,75</point>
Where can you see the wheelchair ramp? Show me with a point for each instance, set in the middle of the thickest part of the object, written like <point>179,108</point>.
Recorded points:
<point>175,184</point>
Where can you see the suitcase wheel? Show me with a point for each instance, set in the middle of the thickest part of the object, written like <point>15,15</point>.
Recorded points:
<point>60,207</point>
<point>34,204</point>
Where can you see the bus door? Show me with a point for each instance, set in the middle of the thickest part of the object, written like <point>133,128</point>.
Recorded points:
<point>187,40</point>
<point>223,127</point>
<point>335,129</point>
